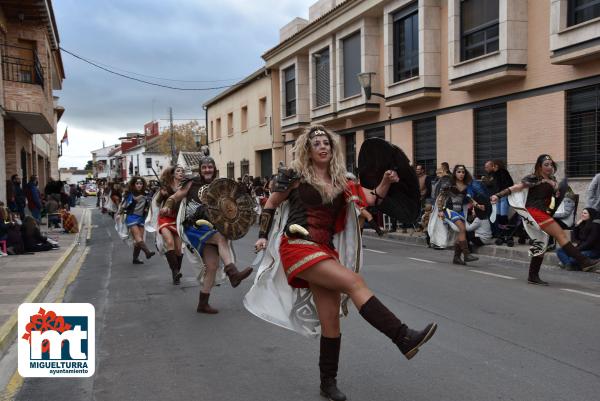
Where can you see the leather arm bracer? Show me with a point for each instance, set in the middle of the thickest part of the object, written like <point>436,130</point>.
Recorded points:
<point>265,223</point>
<point>503,193</point>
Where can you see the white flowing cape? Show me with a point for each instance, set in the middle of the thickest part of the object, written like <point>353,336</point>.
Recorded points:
<point>540,238</point>
<point>151,224</point>
<point>271,297</point>
<point>442,233</point>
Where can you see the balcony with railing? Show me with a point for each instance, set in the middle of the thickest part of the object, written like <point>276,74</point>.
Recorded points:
<point>26,100</point>
<point>21,64</point>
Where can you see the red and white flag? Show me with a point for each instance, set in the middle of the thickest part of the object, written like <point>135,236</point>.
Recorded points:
<point>65,138</point>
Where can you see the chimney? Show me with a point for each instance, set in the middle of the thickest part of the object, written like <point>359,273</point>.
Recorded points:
<point>321,7</point>
<point>291,28</point>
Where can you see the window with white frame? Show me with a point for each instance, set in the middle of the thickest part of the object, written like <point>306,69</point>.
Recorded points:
<point>580,11</point>
<point>352,60</point>
<point>479,27</point>
<point>406,43</point>
<point>322,78</point>
<point>289,75</point>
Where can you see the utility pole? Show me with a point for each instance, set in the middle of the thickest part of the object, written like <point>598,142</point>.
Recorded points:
<point>173,156</point>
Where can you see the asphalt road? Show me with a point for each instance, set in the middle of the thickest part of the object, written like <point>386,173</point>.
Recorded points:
<point>498,338</point>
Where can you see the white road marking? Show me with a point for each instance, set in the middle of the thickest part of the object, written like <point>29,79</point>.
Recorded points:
<point>373,250</point>
<point>422,260</point>
<point>589,294</point>
<point>493,274</point>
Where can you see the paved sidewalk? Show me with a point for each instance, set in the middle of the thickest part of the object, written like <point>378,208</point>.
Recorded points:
<point>27,278</point>
<point>517,252</point>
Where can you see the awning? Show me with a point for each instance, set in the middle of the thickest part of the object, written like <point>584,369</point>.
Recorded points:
<point>35,123</point>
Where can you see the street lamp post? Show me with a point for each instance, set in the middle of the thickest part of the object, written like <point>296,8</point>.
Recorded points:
<point>365,79</point>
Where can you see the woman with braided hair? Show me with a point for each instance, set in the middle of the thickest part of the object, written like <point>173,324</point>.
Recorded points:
<point>542,190</point>
<point>135,203</point>
<point>170,180</point>
<point>319,206</point>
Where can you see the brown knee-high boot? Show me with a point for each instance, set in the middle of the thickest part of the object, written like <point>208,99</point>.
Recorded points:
<point>457,252</point>
<point>203,306</point>
<point>174,265</point>
<point>136,255</point>
<point>464,247</point>
<point>328,366</point>
<point>147,251</point>
<point>236,276</point>
<point>179,261</point>
<point>586,264</point>
<point>407,340</point>
<point>534,270</point>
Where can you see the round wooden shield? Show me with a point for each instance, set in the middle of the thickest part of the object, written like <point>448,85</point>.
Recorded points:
<point>229,207</point>
<point>376,156</point>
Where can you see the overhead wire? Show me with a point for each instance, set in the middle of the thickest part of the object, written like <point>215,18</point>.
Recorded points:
<point>112,67</point>
<point>141,80</point>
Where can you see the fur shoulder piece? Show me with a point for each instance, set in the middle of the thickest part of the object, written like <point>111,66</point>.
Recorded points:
<point>285,178</point>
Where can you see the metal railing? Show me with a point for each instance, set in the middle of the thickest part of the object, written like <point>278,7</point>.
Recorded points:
<point>21,64</point>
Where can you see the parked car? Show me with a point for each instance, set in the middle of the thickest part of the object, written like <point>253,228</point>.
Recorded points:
<point>90,190</point>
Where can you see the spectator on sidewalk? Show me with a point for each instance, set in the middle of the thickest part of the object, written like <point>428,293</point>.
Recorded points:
<point>14,239</point>
<point>586,237</point>
<point>52,206</point>
<point>34,199</point>
<point>503,180</point>
<point>565,213</point>
<point>33,239</point>
<point>4,221</point>
<point>479,229</point>
<point>19,195</point>
<point>489,180</point>
<point>593,193</point>
<point>424,184</point>
<point>69,221</point>
<point>73,195</point>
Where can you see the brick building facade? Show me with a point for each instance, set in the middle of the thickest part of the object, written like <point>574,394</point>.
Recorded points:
<point>32,70</point>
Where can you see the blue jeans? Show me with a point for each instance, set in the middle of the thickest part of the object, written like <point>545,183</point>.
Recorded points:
<point>567,260</point>
<point>502,207</point>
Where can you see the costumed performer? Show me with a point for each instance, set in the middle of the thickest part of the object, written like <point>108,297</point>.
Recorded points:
<point>317,197</point>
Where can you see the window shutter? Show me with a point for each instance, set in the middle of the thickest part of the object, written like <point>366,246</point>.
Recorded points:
<point>322,78</point>
<point>490,135</point>
<point>352,59</point>
<point>425,143</point>
<point>583,132</point>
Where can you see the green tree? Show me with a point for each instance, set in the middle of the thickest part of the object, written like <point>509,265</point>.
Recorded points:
<point>89,165</point>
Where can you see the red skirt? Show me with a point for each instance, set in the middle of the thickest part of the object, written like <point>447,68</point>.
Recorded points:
<point>298,255</point>
<point>540,217</point>
<point>169,223</point>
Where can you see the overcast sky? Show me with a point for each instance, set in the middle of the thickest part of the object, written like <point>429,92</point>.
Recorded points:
<point>188,40</point>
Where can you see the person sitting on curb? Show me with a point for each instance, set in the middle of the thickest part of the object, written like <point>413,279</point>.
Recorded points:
<point>32,237</point>
<point>479,230</point>
<point>69,221</point>
<point>586,236</point>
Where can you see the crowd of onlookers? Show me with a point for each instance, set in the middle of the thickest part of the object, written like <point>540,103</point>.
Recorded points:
<point>21,216</point>
<point>503,228</point>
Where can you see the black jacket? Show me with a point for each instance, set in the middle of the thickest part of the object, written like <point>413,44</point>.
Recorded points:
<point>503,179</point>
<point>587,235</point>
